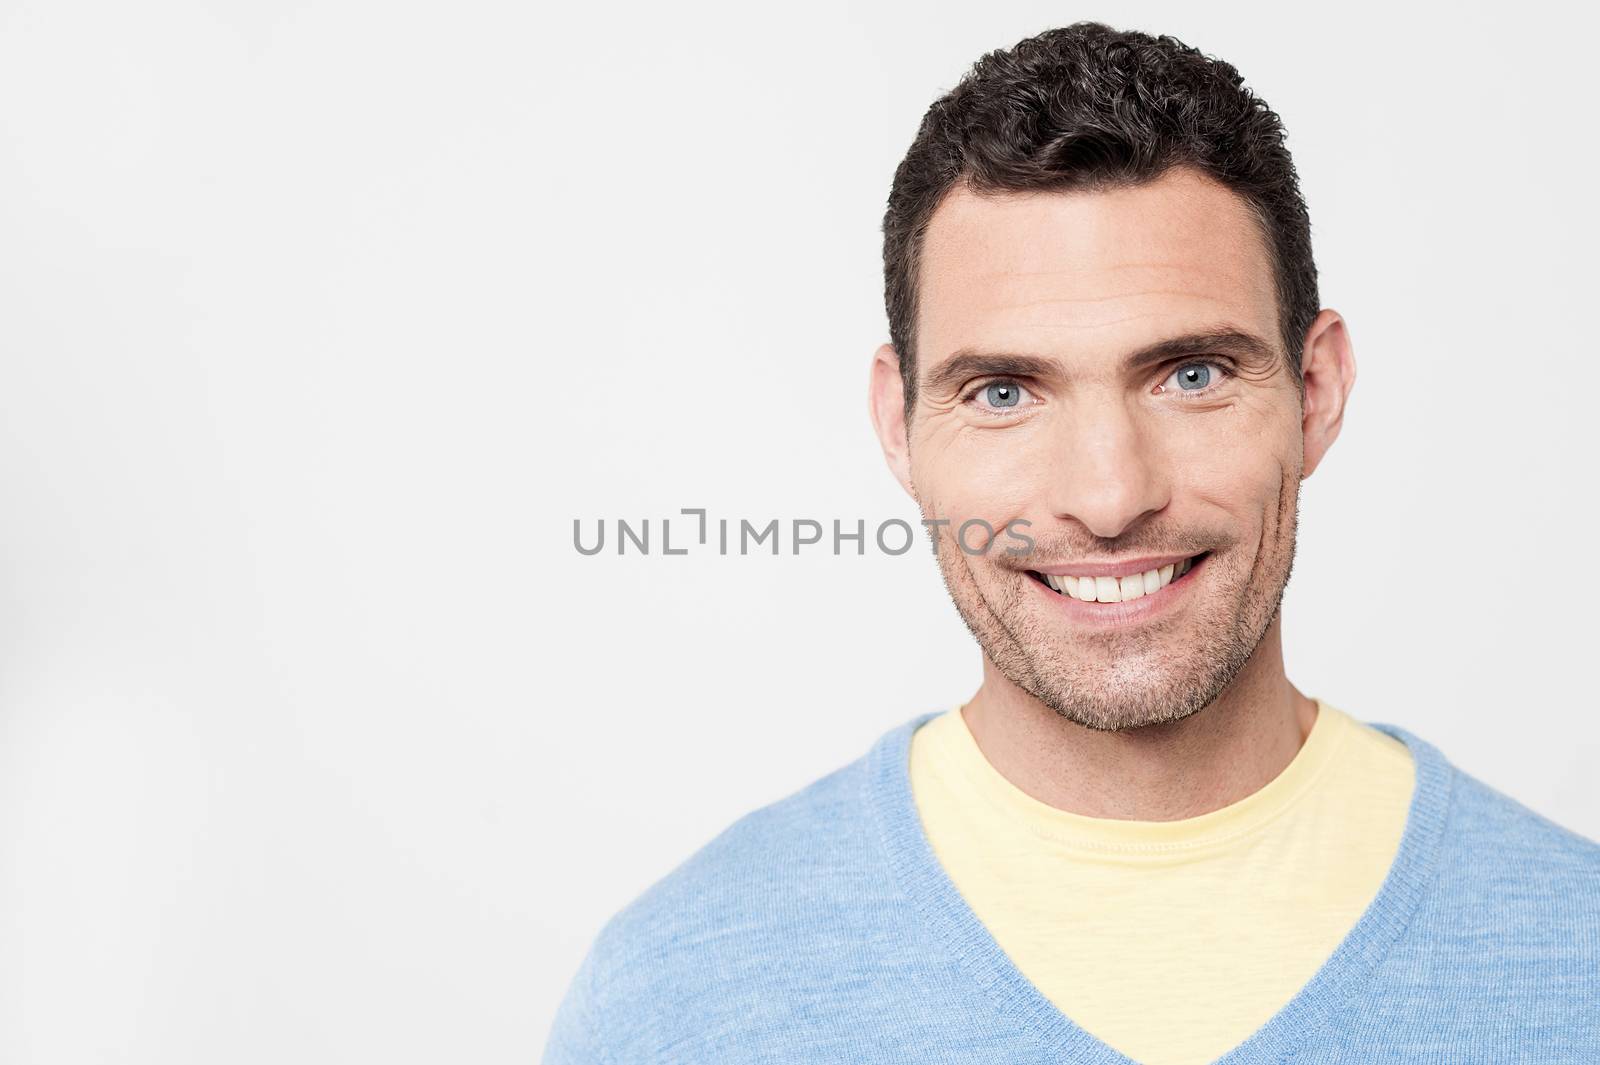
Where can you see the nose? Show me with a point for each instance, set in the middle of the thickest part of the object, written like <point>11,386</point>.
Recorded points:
<point>1109,469</point>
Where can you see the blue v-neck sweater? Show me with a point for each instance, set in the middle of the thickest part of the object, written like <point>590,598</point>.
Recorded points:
<point>822,928</point>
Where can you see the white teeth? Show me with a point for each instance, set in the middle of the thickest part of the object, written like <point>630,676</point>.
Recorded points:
<point>1116,589</point>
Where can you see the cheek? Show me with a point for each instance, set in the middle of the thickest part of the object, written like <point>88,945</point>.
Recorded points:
<point>980,474</point>
<point>1242,471</point>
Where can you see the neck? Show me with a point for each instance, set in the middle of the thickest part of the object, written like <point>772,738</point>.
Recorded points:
<point>1217,756</point>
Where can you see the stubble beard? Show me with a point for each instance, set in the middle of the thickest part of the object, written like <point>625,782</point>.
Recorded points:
<point>1153,673</point>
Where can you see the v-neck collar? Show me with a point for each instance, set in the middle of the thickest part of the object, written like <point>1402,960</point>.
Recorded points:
<point>1313,1008</point>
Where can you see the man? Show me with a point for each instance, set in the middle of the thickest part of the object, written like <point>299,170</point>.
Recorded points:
<point>1138,840</point>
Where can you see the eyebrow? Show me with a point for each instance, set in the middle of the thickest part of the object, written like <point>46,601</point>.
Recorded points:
<point>965,364</point>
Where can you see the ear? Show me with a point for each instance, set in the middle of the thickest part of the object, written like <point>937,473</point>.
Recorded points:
<point>886,403</point>
<point>1328,366</point>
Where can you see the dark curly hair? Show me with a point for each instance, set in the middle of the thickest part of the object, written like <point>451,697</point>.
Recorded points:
<point>1089,107</point>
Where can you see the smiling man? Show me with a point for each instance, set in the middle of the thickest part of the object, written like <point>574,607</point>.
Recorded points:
<point>1138,840</point>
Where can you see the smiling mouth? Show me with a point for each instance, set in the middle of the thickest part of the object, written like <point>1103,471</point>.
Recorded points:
<point>1117,589</point>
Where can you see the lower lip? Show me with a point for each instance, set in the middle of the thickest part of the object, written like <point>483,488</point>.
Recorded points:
<point>1122,615</point>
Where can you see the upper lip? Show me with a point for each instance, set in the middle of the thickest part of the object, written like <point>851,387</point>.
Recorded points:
<point>1125,568</point>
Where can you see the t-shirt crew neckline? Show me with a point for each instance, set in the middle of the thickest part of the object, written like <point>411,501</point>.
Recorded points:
<point>1302,1020</point>
<point>1134,839</point>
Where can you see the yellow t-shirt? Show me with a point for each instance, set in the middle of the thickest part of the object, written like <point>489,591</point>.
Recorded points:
<point>1171,941</point>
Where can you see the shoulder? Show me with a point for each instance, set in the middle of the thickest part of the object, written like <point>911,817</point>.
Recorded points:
<point>756,866</point>
<point>1498,841</point>
<point>1512,888</point>
<point>757,913</point>
<point>1493,841</point>
<point>1495,910</point>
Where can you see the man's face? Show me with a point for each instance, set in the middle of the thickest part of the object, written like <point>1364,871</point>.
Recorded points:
<point>1045,396</point>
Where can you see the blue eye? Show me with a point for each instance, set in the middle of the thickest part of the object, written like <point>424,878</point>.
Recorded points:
<point>1000,397</point>
<point>1004,394</point>
<point>1196,377</point>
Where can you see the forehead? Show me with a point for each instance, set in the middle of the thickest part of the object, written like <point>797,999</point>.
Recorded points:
<point>1088,275</point>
